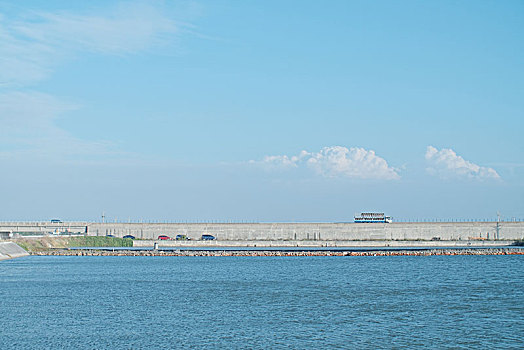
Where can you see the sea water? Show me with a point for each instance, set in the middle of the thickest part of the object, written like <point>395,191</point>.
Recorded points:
<point>262,302</point>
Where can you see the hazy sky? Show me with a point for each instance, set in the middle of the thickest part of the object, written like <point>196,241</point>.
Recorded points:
<point>261,110</point>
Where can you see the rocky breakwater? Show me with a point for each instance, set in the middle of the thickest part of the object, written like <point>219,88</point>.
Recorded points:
<point>428,252</point>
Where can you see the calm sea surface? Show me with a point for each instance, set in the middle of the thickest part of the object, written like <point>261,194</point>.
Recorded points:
<point>262,302</point>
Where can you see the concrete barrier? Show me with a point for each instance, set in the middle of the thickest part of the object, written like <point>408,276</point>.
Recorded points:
<point>435,231</point>
<point>317,231</point>
<point>42,227</point>
<point>318,244</point>
<point>9,250</point>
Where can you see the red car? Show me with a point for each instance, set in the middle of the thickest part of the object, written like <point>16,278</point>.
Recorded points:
<point>164,238</point>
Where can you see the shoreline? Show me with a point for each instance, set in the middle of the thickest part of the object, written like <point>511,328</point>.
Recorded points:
<point>270,253</point>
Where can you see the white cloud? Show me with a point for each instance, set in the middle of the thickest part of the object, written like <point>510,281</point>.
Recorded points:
<point>31,45</point>
<point>22,61</point>
<point>284,161</point>
<point>20,111</point>
<point>127,29</point>
<point>338,161</point>
<point>447,164</point>
<point>28,128</point>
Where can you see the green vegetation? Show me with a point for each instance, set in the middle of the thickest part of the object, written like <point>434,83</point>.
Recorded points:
<point>24,245</point>
<point>49,243</point>
<point>93,241</point>
<point>41,244</point>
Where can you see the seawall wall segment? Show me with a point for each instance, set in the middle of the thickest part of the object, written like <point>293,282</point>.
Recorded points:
<point>316,231</point>
<point>319,244</point>
<point>285,231</point>
<point>43,227</point>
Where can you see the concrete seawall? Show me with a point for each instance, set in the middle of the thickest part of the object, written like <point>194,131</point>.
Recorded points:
<point>9,250</point>
<point>317,231</point>
<point>319,244</point>
<point>285,231</point>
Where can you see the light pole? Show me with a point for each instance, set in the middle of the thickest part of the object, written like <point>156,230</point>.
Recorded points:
<point>498,225</point>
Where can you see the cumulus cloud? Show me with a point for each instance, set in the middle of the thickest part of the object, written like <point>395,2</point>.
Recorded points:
<point>283,161</point>
<point>445,163</point>
<point>338,161</point>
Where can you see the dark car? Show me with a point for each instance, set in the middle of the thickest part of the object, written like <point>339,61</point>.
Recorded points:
<point>164,238</point>
<point>56,221</point>
<point>208,237</point>
<point>182,238</point>
<point>110,235</point>
<point>129,236</point>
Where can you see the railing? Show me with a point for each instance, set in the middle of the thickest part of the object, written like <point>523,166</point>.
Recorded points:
<point>199,221</point>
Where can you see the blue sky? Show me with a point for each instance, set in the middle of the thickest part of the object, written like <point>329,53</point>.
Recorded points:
<point>261,111</point>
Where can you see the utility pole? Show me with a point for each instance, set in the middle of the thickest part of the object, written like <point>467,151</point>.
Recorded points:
<point>498,225</point>
<point>103,217</point>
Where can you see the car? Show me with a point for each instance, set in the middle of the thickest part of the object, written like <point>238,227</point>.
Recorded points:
<point>208,237</point>
<point>129,236</point>
<point>182,238</point>
<point>164,238</point>
<point>56,221</point>
<point>110,235</point>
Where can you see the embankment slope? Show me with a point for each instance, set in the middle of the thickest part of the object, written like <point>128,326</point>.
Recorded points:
<point>9,250</point>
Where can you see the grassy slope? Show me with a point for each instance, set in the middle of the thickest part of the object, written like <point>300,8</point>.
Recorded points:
<point>47,243</point>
